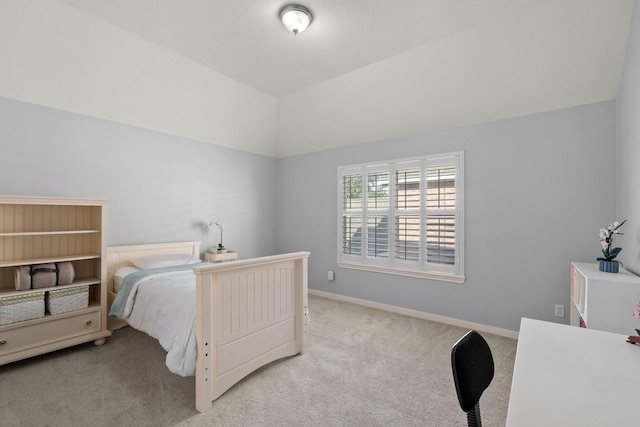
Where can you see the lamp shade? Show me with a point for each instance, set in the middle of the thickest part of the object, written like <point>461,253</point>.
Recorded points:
<point>295,18</point>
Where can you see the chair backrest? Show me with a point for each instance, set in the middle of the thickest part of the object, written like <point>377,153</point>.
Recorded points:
<point>472,364</point>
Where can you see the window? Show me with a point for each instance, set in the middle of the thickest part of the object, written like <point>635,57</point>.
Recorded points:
<point>403,217</point>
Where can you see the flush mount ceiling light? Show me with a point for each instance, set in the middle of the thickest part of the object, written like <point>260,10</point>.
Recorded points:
<point>295,18</point>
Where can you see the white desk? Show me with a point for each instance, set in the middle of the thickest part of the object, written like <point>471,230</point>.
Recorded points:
<point>569,376</point>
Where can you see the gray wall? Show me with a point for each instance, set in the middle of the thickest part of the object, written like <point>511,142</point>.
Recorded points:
<point>538,188</point>
<point>628,133</point>
<point>159,186</point>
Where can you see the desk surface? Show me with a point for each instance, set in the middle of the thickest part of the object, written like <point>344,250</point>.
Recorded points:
<point>569,376</point>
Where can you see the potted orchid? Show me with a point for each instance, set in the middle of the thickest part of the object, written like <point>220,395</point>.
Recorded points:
<point>608,262</point>
<point>221,249</point>
<point>636,313</point>
<point>635,339</point>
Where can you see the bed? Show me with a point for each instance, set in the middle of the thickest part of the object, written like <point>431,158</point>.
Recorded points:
<point>248,313</point>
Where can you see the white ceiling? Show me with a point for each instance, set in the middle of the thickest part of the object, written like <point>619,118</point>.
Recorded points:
<point>245,40</point>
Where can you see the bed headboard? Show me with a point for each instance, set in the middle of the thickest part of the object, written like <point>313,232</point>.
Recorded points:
<point>119,256</point>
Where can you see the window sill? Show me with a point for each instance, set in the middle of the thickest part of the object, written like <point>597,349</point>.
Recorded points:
<point>444,277</point>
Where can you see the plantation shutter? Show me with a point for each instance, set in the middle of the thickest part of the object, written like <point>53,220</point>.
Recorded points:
<point>403,217</point>
<point>352,214</point>
<point>441,214</point>
<point>377,211</point>
<point>407,218</point>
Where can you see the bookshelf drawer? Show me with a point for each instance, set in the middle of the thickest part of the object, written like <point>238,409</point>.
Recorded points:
<point>38,333</point>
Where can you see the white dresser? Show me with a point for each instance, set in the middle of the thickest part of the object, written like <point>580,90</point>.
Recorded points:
<point>603,301</point>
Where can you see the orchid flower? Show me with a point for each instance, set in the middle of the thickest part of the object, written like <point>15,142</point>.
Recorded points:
<point>606,240</point>
<point>220,227</point>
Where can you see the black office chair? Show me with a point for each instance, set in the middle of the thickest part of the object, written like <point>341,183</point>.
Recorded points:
<point>472,365</point>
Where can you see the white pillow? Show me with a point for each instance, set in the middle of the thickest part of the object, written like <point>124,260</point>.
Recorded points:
<point>119,276</point>
<point>164,260</point>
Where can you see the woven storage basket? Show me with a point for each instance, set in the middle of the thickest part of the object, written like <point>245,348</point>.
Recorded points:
<point>69,299</point>
<point>21,307</point>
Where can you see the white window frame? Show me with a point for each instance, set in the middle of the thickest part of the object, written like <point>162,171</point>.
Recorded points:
<point>390,264</point>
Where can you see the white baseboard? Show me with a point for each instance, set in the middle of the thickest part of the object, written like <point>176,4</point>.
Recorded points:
<point>419,314</point>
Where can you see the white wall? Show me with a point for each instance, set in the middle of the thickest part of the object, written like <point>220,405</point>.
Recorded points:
<point>54,55</point>
<point>537,190</point>
<point>628,153</point>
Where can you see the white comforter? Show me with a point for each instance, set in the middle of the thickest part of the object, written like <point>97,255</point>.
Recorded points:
<point>163,306</point>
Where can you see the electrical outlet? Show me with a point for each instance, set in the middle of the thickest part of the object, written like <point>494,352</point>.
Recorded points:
<point>559,310</point>
<point>330,275</point>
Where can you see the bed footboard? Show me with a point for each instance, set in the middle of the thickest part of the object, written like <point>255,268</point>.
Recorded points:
<point>248,313</point>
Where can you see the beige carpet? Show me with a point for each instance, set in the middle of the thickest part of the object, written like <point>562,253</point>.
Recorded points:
<point>363,367</point>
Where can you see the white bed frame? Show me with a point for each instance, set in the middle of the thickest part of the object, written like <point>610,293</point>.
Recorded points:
<point>248,312</point>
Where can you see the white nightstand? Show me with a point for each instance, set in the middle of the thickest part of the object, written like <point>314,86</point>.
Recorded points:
<point>220,257</point>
